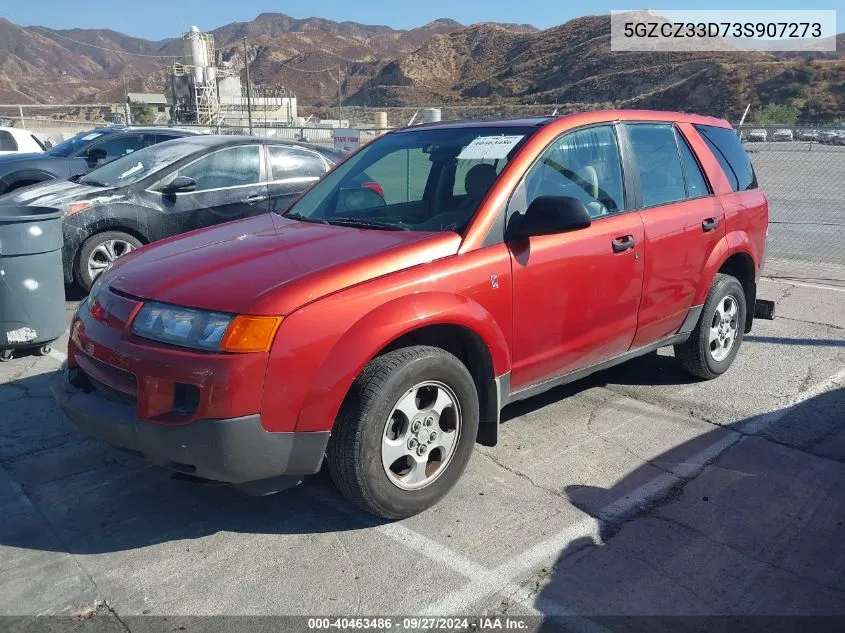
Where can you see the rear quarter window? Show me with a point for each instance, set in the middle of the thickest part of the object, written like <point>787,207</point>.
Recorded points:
<point>728,150</point>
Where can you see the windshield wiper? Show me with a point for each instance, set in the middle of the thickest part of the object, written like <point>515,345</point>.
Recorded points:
<point>92,183</point>
<point>367,224</point>
<point>302,218</point>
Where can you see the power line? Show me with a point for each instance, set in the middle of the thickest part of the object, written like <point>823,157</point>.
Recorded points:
<point>109,50</point>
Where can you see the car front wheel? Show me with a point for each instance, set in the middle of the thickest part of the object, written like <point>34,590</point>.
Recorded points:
<point>405,432</point>
<point>99,252</point>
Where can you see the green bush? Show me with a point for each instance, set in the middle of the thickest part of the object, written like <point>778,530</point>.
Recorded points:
<point>775,114</point>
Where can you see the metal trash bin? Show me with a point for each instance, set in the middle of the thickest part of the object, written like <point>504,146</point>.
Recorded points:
<point>32,292</point>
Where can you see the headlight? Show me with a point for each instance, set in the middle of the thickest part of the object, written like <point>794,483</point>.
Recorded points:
<point>204,330</point>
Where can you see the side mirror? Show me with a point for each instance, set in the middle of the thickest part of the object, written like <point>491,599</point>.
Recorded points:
<point>548,215</point>
<point>180,184</point>
<point>96,154</point>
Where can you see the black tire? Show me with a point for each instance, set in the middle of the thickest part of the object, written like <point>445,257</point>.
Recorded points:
<point>354,450</point>
<point>694,354</point>
<point>80,274</point>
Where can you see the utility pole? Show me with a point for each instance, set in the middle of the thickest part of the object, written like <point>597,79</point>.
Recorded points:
<point>248,88</point>
<point>339,101</point>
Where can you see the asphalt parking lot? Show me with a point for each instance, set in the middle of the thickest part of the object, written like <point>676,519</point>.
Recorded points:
<point>635,492</point>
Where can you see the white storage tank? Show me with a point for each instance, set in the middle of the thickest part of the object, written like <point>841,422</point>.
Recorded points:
<point>430,115</point>
<point>196,53</point>
<point>381,120</point>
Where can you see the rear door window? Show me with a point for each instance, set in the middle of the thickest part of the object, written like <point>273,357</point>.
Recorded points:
<point>7,142</point>
<point>287,163</point>
<point>728,150</point>
<point>657,163</point>
<point>231,167</point>
<point>118,146</point>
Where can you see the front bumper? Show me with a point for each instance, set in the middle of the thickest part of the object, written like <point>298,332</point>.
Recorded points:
<point>232,450</point>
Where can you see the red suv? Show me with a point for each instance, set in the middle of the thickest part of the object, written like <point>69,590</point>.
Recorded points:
<point>436,275</point>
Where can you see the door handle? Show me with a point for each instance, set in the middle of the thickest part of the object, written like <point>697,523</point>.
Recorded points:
<point>257,197</point>
<point>621,244</point>
<point>709,224</point>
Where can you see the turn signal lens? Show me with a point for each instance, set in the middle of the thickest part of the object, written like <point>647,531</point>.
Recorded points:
<point>250,333</point>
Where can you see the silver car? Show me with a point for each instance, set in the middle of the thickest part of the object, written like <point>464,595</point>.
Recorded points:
<point>758,135</point>
<point>827,136</point>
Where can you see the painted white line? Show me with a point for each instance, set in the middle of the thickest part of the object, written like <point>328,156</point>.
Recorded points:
<point>804,284</point>
<point>502,578</point>
<point>432,549</point>
<point>415,541</point>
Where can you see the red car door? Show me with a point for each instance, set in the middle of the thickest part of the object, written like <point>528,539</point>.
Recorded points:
<point>575,294</point>
<point>683,223</point>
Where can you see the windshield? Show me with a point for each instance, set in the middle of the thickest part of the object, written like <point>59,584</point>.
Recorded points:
<point>138,165</point>
<point>418,180</point>
<point>68,147</point>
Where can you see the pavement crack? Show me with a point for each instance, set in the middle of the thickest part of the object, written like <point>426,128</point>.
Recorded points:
<point>787,291</point>
<point>110,610</point>
<point>520,474</point>
<point>827,325</point>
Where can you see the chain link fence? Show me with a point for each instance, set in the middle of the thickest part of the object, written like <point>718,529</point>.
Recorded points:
<point>801,169</point>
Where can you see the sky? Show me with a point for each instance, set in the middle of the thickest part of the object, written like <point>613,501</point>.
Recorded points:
<point>160,19</point>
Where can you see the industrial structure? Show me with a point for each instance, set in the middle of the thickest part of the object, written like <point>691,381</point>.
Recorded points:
<point>208,91</point>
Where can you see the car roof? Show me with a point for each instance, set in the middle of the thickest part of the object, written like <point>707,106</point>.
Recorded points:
<point>596,115</point>
<point>152,129</point>
<point>222,140</point>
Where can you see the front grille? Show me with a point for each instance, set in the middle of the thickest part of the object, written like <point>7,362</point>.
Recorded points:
<point>111,394</point>
<point>111,382</point>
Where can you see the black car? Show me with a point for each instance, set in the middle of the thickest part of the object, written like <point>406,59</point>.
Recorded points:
<point>79,155</point>
<point>171,188</point>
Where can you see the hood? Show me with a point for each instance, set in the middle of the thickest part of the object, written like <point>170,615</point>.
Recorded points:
<point>269,264</point>
<point>54,193</point>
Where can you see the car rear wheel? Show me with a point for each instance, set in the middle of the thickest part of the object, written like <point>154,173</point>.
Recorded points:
<point>714,343</point>
<point>99,252</point>
<point>405,432</point>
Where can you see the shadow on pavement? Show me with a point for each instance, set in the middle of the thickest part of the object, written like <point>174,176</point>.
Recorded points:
<point>758,532</point>
<point>651,369</point>
<point>98,499</point>
<point>807,342</point>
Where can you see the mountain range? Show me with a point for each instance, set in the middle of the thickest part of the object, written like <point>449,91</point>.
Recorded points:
<point>440,63</point>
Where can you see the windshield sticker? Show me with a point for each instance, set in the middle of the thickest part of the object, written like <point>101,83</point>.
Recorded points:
<point>91,137</point>
<point>489,147</point>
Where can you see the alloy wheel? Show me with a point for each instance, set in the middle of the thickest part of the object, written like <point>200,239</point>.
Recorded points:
<point>421,435</point>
